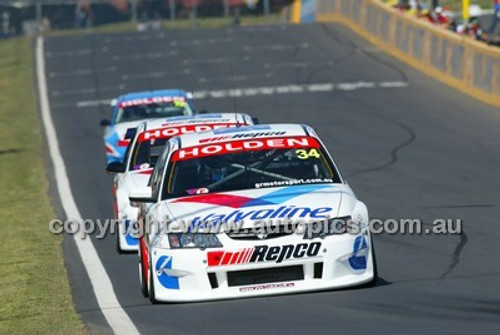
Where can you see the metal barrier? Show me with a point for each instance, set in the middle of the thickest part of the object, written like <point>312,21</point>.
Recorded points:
<point>461,62</point>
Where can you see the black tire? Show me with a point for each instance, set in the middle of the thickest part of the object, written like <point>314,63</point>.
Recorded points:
<point>151,292</point>
<point>118,248</point>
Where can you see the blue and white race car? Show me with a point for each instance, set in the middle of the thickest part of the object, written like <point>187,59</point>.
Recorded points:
<point>250,211</point>
<point>131,109</point>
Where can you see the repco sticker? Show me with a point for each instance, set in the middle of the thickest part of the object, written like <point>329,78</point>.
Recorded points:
<point>263,253</point>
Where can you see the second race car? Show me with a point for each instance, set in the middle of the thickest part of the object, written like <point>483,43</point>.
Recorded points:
<point>140,158</point>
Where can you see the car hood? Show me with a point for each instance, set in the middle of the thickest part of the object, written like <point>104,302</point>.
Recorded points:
<point>137,179</point>
<point>121,128</point>
<point>307,202</point>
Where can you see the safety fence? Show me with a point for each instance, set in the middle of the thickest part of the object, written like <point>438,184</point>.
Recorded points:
<point>68,14</point>
<point>466,64</point>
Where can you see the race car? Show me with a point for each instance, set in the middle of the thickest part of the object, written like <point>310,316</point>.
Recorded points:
<point>131,109</point>
<point>145,147</point>
<point>250,211</point>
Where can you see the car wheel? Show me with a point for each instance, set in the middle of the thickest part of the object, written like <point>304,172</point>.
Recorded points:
<point>151,286</point>
<point>118,242</point>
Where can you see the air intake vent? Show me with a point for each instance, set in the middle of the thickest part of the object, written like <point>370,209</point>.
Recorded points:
<point>263,276</point>
<point>318,270</point>
<point>262,232</point>
<point>212,277</point>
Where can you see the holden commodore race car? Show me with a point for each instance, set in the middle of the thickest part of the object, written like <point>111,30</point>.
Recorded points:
<point>140,158</point>
<point>249,211</point>
<point>131,109</point>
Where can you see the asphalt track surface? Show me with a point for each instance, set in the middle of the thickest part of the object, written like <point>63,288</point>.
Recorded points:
<point>421,151</point>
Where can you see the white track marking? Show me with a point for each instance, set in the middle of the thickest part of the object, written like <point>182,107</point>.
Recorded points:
<point>158,74</point>
<point>116,317</point>
<point>272,90</point>
<point>56,93</point>
<point>290,89</point>
<point>234,78</point>
<point>220,60</point>
<point>82,72</point>
<point>149,55</point>
<point>276,47</point>
<point>71,53</point>
<point>298,64</point>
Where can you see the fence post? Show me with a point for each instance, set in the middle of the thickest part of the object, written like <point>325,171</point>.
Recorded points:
<point>296,9</point>
<point>172,8</point>
<point>226,8</point>
<point>267,7</point>
<point>133,9</point>
<point>38,13</point>
<point>194,14</point>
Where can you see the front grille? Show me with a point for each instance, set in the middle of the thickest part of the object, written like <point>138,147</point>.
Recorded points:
<point>262,232</point>
<point>318,270</point>
<point>264,276</point>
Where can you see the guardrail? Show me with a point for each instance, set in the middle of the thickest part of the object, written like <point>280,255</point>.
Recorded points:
<point>459,61</point>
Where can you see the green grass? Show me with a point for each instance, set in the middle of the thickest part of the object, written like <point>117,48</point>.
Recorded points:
<point>34,295</point>
<point>216,22</point>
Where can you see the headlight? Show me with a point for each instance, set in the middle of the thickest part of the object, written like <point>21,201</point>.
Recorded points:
<point>328,227</point>
<point>193,240</point>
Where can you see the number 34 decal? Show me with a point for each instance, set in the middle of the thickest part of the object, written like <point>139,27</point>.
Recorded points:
<point>307,153</point>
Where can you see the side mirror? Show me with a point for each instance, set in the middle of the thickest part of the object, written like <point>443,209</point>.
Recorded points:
<point>105,123</point>
<point>142,194</point>
<point>115,167</point>
<point>130,133</point>
<point>203,112</point>
<point>255,120</point>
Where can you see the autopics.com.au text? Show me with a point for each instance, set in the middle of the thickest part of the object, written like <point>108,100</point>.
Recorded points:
<point>99,228</point>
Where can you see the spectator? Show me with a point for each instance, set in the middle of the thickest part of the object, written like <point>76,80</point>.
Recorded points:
<point>80,17</point>
<point>437,17</point>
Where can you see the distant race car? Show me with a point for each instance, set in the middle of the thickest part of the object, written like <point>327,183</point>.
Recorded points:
<point>146,145</point>
<point>250,211</point>
<point>131,109</point>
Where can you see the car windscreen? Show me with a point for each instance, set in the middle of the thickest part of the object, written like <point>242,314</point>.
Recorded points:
<point>146,153</point>
<point>152,110</point>
<point>248,165</point>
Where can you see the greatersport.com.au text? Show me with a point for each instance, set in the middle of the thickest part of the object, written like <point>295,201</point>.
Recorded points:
<point>99,228</point>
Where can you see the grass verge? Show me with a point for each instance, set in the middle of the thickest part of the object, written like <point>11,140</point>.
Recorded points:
<point>35,295</point>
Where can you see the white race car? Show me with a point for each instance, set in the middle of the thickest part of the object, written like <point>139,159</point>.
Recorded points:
<point>141,155</point>
<point>250,211</point>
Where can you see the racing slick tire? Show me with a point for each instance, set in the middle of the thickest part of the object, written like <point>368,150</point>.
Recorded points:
<point>151,286</point>
<point>118,243</point>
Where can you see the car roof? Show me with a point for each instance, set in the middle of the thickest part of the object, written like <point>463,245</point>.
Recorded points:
<point>198,119</point>
<point>152,94</point>
<point>246,132</point>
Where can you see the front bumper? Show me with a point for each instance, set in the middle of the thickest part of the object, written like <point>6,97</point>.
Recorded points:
<point>181,275</point>
<point>127,233</point>
<point>128,230</point>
